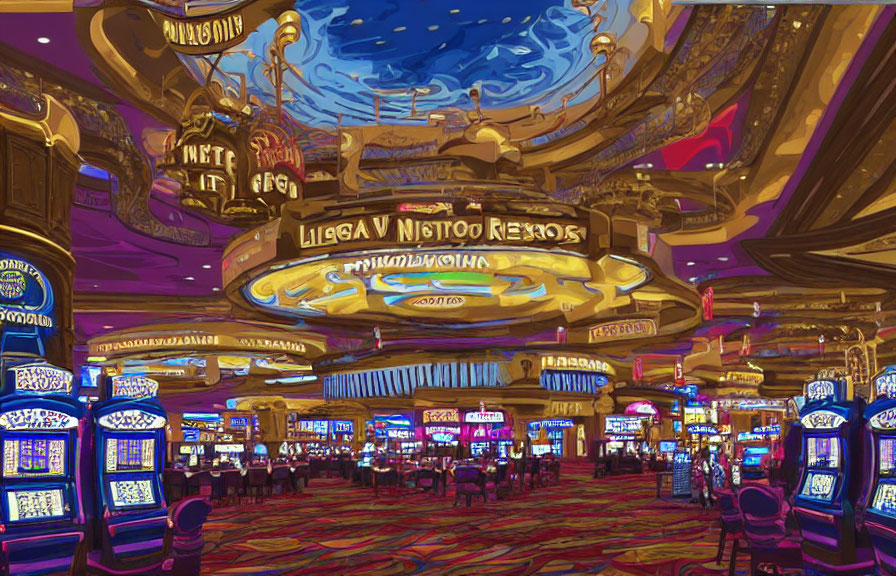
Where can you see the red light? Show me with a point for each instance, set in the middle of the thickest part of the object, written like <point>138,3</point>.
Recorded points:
<point>2,528</point>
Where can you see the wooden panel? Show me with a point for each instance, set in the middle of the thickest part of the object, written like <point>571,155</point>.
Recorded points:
<point>27,178</point>
<point>62,179</point>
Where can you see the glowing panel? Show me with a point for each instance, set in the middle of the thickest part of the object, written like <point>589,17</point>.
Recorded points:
<point>887,456</point>
<point>819,486</point>
<point>42,379</point>
<point>136,387</point>
<point>822,419</point>
<point>823,452</point>
<point>35,504</point>
<point>885,499</point>
<point>131,493</point>
<point>30,457</point>
<point>130,454</point>
<point>132,420</point>
<point>885,420</point>
<point>36,419</point>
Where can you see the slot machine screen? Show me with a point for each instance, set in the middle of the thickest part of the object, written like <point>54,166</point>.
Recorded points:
<point>823,452</point>
<point>668,446</point>
<point>885,499</point>
<point>130,454</point>
<point>25,505</point>
<point>887,456</point>
<point>540,449</point>
<point>131,493</point>
<point>819,486</point>
<point>33,457</point>
<point>477,448</point>
<point>504,448</point>
<point>753,456</point>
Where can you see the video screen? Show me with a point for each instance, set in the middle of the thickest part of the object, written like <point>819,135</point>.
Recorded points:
<point>130,454</point>
<point>887,456</point>
<point>33,457</point>
<point>540,449</point>
<point>819,486</point>
<point>25,505</point>
<point>885,499</point>
<point>131,493</point>
<point>477,448</point>
<point>823,452</point>
<point>668,446</point>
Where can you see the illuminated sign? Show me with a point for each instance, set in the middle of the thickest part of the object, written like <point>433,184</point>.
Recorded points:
<point>773,430</point>
<point>430,430</point>
<point>203,35</point>
<point>701,429</point>
<point>642,407</point>
<point>135,387</point>
<point>193,341</point>
<point>885,420</point>
<point>560,423</point>
<point>622,425</point>
<point>885,383</point>
<point>426,261</point>
<point>750,437</point>
<point>444,438</point>
<point>131,420</point>
<point>400,433</point>
<point>622,330</point>
<point>822,419</point>
<point>396,420</point>
<point>821,390</point>
<point>743,378</point>
<point>695,415</point>
<point>278,162</point>
<point>575,363</point>
<point>439,415</point>
<point>342,426</point>
<point>443,302</point>
<point>41,379</point>
<point>239,421</point>
<point>229,448</point>
<point>484,417</point>
<point>36,419</point>
<point>26,297</point>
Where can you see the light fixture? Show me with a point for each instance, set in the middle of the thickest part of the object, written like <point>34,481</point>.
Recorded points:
<point>399,29</point>
<point>723,258</point>
<point>357,22</point>
<point>692,279</point>
<point>43,40</point>
<point>207,266</point>
<point>743,177</point>
<point>96,285</point>
<point>455,11</point>
<point>107,327</point>
<point>691,263</point>
<point>216,289</point>
<point>189,278</point>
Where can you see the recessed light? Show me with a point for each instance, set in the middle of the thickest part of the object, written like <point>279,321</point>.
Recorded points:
<point>43,40</point>
<point>96,285</point>
<point>399,29</point>
<point>723,258</point>
<point>743,177</point>
<point>433,28</point>
<point>455,11</point>
<point>107,327</point>
<point>380,42</point>
<point>506,20</point>
<point>190,278</point>
<point>692,279</point>
<point>207,266</point>
<point>690,263</point>
<point>357,22</point>
<point>216,289</point>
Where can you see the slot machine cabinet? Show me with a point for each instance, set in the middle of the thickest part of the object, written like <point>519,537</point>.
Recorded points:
<point>831,478</point>
<point>42,429</point>
<point>131,515</point>
<point>878,504</point>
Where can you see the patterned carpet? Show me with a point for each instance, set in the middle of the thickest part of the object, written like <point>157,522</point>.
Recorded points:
<point>612,526</point>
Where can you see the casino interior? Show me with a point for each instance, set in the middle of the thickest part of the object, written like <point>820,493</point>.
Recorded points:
<point>447,287</point>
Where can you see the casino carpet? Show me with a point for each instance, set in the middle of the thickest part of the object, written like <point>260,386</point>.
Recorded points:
<point>612,526</point>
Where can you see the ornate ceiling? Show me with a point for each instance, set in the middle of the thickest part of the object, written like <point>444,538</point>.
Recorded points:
<point>742,148</point>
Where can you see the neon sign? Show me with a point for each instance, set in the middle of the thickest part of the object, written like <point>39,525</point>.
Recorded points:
<point>239,422</point>
<point>42,379</point>
<point>430,430</point>
<point>134,387</point>
<point>438,415</point>
<point>132,420</point>
<point>36,419</point>
<point>561,423</point>
<point>702,429</point>
<point>750,437</point>
<point>773,430</point>
<point>622,424</point>
<point>26,297</point>
<point>575,363</point>
<point>399,433</point>
<point>484,417</point>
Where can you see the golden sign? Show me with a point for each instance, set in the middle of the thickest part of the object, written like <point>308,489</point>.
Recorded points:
<point>441,415</point>
<point>622,330</point>
<point>575,363</point>
<point>201,36</point>
<point>745,378</point>
<point>193,341</point>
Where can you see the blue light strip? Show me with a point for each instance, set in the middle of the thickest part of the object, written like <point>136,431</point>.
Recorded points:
<point>403,380</point>
<point>572,381</point>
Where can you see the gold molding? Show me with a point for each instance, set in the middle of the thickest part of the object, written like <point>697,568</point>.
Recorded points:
<point>36,6</point>
<point>57,126</point>
<point>39,238</point>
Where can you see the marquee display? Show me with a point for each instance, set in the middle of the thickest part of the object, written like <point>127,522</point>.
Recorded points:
<point>622,425</point>
<point>457,286</point>
<point>402,381</point>
<point>41,379</point>
<point>578,363</point>
<point>822,419</point>
<point>36,419</point>
<point>622,330</point>
<point>885,383</point>
<point>575,382</point>
<point>885,420</point>
<point>131,420</point>
<point>134,386</point>
<point>551,424</point>
<point>440,415</point>
<point>26,297</point>
<point>819,390</point>
<point>479,417</point>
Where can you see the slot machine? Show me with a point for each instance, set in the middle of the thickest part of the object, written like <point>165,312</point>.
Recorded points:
<point>878,508</point>
<point>131,513</point>
<point>42,428</point>
<point>831,479</point>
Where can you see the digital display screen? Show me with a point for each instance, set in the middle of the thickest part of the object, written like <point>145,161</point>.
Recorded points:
<point>823,452</point>
<point>130,454</point>
<point>131,493</point>
<point>668,446</point>
<point>477,448</point>
<point>239,421</point>
<point>887,456</point>
<point>30,457</point>
<point>539,449</point>
<point>885,499</point>
<point>753,461</point>
<point>35,504</point>
<point>819,486</point>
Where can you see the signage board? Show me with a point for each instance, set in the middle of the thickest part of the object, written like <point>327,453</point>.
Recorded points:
<point>622,330</point>
<point>558,423</point>
<point>439,415</point>
<point>26,297</point>
<point>822,419</point>
<point>622,425</point>
<point>41,378</point>
<point>484,417</point>
<point>702,429</point>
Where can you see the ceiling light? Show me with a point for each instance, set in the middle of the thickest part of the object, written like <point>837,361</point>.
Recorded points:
<point>190,278</point>
<point>743,177</point>
<point>207,266</point>
<point>43,40</point>
<point>357,22</point>
<point>433,28</point>
<point>107,327</point>
<point>691,263</point>
<point>399,29</point>
<point>216,289</point>
<point>455,11</point>
<point>380,42</point>
<point>96,285</point>
<point>506,20</point>
<point>723,258</point>
<point>692,279</point>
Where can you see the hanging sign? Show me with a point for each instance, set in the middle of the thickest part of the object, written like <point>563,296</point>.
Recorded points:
<point>440,415</point>
<point>484,417</point>
<point>702,429</point>
<point>26,297</point>
<point>679,372</point>
<point>208,35</point>
<point>622,330</point>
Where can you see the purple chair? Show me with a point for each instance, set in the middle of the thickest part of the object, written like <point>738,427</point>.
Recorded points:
<point>765,529</point>
<point>279,480</point>
<point>183,541</point>
<point>231,486</point>
<point>731,521</point>
<point>469,481</point>
<point>427,480</point>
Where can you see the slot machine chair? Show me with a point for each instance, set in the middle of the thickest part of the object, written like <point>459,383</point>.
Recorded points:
<point>469,481</point>
<point>765,529</point>
<point>731,521</point>
<point>183,540</point>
